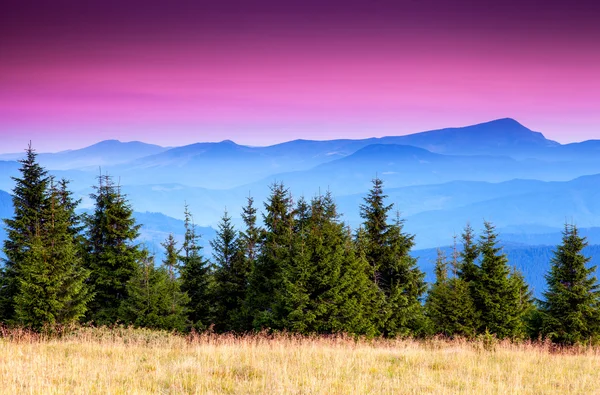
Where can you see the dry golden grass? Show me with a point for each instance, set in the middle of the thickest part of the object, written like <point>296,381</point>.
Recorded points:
<point>127,361</point>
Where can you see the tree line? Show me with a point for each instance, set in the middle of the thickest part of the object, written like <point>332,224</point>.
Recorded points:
<point>296,268</point>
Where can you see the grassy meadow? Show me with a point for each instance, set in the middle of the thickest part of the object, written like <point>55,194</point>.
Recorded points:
<point>127,361</point>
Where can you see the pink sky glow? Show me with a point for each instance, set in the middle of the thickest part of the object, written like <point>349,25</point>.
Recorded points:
<point>263,86</point>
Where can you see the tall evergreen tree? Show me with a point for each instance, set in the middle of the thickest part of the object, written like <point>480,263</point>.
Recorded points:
<point>230,276</point>
<point>111,253</point>
<point>498,296</point>
<point>468,269</point>
<point>395,271</point>
<point>29,202</point>
<point>176,314</point>
<point>276,250</point>
<point>570,310</point>
<point>51,278</point>
<point>149,303</point>
<point>196,276</point>
<point>449,304</point>
<point>326,287</point>
<point>358,300</point>
<point>249,240</point>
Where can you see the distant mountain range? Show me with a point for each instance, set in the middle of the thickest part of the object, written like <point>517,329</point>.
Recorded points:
<point>529,186</point>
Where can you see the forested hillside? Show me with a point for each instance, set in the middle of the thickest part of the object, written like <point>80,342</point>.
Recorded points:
<point>293,265</point>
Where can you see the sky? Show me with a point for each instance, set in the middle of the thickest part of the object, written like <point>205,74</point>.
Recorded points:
<point>259,72</point>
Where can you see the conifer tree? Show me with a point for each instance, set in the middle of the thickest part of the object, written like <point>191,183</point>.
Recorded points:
<point>498,296</point>
<point>29,201</point>
<point>176,314</point>
<point>51,278</point>
<point>326,287</point>
<point>230,276</point>
<point>468,269</point>
<point>149,303</point>
<point>276,249</point>
<point>111,253</point>
<point>196,276</point>
<point>395,271</point>
<point>249,241</point>
<point>570,310</point>
<point>449,304</point>
<point>358,300</point>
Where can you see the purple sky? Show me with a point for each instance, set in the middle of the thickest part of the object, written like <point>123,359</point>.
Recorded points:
<point>259,72</point>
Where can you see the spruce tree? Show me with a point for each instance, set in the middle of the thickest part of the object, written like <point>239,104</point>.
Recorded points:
<point>230,276</point>
<point>357,299</point>
<point>149,303</point>
<point>449,304</point>
<point>51,277</point>
<point>111,253</point>
<point>468,269</point>
<point>176,314</point>
<point>499,297</point>
<point>325,288</point>
<point>570,310</point>
<point>196,276</point>
<point>29,201</point>
<point>249,245</point>
<point>395,271</point>
<point>266,279</point>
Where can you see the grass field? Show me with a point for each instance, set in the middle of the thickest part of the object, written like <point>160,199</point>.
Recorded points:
<point>126,361</point>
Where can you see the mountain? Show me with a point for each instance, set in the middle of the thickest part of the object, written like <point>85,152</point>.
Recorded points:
<point>547,205</point>
<point>499,137</point>
<point>8,169</point>
<point>401,165</point>
<point>108,152</point>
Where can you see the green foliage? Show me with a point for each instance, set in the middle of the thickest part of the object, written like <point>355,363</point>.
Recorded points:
<point>570,311</point>
<point>111,253</point>
<point>43,278</point>
<point>396,273</point>
<point>326,286</point>
<point>449,305</point>
<point>154,299</point>
<point>266,280</point>
<point>468,269</point>
<point>232,271</point>
<point>29,200</point>
<point>502,300</point>
<point>196,276</point>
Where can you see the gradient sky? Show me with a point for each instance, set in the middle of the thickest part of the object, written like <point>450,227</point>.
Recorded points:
<point>260,72</point>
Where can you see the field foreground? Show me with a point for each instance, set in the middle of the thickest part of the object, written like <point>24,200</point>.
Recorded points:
<point>125,361</point>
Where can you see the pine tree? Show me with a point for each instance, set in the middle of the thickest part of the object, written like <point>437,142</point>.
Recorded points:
<point>498,296</point>
<point>395,271</point>
<point>111,255</point>
<point>326,288</point>
<point>449,304</point>
<point>249,241</point>
<point>375,215</point>
<point>358,300</point>
<point>176,314</point>
<point>251,237</point>
<point>230,277</point>
<point>150,298</point>
<point>196,276</point>
<point>468,269</point>
<point>570,310</point>
<point>51,278</point>
<point>404,311</point>
<point>29,200</point>
<point>266,279</point>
